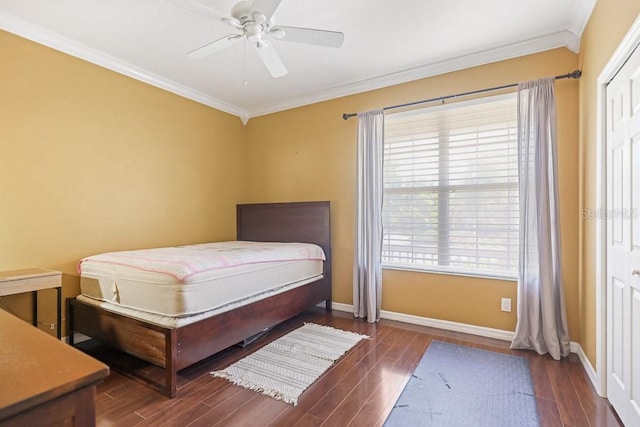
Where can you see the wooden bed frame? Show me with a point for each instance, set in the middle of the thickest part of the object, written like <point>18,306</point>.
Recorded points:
<point>176,348</point>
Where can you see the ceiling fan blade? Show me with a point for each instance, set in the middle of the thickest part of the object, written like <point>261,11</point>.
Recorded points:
<point>271,59</point>
<point>308,36</point>
<point>215,46</point>
<point>265,7</point>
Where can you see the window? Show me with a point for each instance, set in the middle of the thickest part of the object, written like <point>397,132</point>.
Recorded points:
<point>451,188</point>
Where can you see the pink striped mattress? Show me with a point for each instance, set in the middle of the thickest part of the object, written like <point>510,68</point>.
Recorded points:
<point>186,280</point>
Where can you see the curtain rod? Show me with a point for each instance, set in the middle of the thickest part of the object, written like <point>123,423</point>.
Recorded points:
<point>572,75</point>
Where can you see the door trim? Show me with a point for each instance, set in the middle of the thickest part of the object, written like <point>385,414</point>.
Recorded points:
<point>624,50</point>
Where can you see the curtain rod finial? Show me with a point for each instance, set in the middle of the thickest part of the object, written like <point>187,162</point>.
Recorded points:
<point>575,74</point>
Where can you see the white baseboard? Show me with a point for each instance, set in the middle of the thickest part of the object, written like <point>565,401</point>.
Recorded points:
<point>591,372</point>
<point>435,323</point>
<point>473,330</point>
<point>448,325</point>
<point>340,307</point>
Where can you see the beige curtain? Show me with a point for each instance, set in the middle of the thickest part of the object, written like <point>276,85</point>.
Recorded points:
<point>367,270</point>
<point>542,322</point>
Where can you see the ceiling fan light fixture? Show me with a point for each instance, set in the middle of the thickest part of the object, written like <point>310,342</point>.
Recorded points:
<point>253,33</point>
<point>259,18</point>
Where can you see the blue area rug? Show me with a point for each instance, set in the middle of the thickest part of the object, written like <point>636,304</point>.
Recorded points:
<point>455,385</point>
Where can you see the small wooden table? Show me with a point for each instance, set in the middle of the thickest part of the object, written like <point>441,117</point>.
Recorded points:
<point>43,380</point>
<point>33,280</point>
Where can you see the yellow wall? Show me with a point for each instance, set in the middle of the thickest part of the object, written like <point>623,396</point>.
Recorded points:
<point>609,22</point>
<point>309,153</point>
<point>93,161</point>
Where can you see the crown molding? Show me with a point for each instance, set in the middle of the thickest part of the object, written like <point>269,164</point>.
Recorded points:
<point>55,41</point>
<point>527,47</point>
<point>581,14</point>
<point>567,39</point>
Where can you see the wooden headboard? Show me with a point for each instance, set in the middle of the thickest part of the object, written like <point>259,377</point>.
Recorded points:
<point>306,222</point>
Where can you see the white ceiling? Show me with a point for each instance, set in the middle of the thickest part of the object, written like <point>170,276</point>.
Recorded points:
<point>386,42</point>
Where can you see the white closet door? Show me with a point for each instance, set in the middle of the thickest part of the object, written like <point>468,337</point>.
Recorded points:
<point>623,241</point>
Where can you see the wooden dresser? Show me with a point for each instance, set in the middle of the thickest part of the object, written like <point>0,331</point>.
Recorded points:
<point>44,381</point>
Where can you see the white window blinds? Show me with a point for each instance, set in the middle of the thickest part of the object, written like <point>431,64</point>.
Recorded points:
<point>451,188</point>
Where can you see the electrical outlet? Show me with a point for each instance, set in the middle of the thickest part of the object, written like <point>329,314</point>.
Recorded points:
<point>505,304</point>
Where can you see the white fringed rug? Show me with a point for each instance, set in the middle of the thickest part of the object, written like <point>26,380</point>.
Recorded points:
<point>286,367</point>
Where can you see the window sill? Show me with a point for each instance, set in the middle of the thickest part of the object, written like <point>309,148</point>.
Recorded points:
<point>452,273</point>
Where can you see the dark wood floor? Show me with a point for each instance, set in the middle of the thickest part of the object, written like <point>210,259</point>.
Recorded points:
<point>359,390</point>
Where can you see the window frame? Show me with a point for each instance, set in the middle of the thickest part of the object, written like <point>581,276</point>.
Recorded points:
<point>443,200</point>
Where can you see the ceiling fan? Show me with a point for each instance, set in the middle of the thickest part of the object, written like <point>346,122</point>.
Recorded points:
<point>254,21</point>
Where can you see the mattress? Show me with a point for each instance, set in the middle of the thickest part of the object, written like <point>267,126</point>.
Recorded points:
<point>176,322</point>
<point>191,280</point>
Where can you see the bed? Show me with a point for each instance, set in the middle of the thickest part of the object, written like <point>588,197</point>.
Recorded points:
<point>200,333</point>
